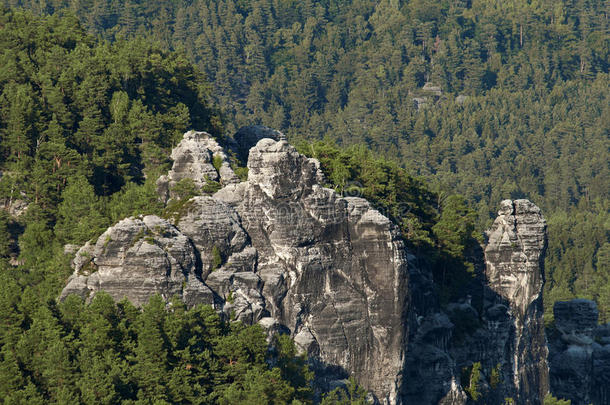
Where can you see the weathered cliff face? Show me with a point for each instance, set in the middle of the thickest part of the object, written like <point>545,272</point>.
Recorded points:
<point>278,249</point>
<point>334,269</point>
<point>200,158</point>
<point>579,354</point>
<point>137,258</point>
<point>497,322</point>
<point>515,252</point>
<point>514,259</point>
<point>281,250</point>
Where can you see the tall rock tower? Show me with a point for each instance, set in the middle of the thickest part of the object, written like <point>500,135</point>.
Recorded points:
<point>514,268</point>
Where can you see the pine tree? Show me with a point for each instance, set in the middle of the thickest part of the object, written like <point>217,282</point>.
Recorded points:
<point>80,214</point>
<point>151,354</point>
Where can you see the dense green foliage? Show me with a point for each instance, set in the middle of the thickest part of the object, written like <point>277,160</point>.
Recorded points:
<point>71,107</point>
<point>107,353</point>
<point>351,395</point>
<point>534,122</point>
<point>473,388</point>
<point>87,121</point>
<point>578,259</point>
<point>551,400</point>
<point>82,124</point>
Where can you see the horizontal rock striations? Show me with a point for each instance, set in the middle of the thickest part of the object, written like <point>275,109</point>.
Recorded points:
<point>334,268</point>
<point>514,258</point>
<point>579,354</point>
<point>278,249</point>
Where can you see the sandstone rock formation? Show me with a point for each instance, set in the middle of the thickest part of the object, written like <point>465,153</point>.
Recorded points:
<point>137,258</point>
<point>334,269</point>
<point>281,250</point>
<point>514,253</point>
<point>514,267</point>
<point>579,354</point>
<point>497,322</point>
<point>200,158</point>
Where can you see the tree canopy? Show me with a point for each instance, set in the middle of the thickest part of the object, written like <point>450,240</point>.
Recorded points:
<point>435,111</point>
<point>491,100</point>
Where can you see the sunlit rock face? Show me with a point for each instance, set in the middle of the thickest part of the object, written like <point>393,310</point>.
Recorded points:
<point>136,258</point>
<point>514,258</point>
<point>279,249</point>
<point>197,157</point>
<point>334,269</point>
<point>515,253</point>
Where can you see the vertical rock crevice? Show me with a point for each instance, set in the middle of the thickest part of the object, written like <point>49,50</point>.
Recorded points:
<point>278,249</point>
<point>281,250</point>
<point>514,258</point>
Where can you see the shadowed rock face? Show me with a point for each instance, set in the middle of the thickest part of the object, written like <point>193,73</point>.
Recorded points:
<point>292,253</point>
<point>579,354</point>
<point>514,268</point>
<point>281,250</point>
<point>497,322</point>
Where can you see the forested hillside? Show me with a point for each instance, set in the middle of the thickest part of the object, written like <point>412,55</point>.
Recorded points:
<point>416,101</point>
<point>491,100</point>
<point>85,129</point>
<point>108,353</point>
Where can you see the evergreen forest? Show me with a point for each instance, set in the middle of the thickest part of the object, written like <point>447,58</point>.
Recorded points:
<point>490,100</point>
<point>433,110</point>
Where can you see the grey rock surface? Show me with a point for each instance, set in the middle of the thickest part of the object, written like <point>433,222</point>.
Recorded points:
<point>579,354</point>
<point>515,252</point>
<point>137,258</point>
<point>576,317</point>
<point>193,159</point>
<point>431,375</point>
<point>215,229</point>
<point>514,258</point>
<point>283,251</point>
<point>455,396</point>
<point>334,269</point>
<point>331,271</point>
<point>497,322</point>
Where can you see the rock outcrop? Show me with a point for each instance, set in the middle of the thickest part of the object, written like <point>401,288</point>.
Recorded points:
<point>334,269</point>
<point>515,271</point>
<point>579,354</point>
<point>497,322</point>
<point>136,258</point>
<point>281,250</point>
<point>200,158</point>
<point>278,249</point>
